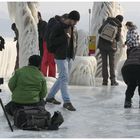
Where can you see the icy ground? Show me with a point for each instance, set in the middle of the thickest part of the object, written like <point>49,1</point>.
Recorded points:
<point>100,114</point>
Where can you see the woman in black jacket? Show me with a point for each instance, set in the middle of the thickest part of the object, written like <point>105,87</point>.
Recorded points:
<point>131,75</point>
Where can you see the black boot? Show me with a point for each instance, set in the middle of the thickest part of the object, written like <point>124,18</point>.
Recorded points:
<point>127,104</point>
<point>114,83</point>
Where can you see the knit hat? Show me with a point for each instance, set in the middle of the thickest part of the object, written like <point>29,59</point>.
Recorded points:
<point>74,15</point>
<point>35,60</point>
<point>120,18</point>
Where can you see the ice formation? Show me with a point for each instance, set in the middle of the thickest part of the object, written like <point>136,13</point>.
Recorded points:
<point>84,66</point>
<point>24,14</point>
<point>82,48</point>
<point>100,11</point>
<point>83,71</point>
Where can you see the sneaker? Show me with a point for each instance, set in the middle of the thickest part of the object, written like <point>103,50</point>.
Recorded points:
<point>127,104</point>
<point>114,83</point>
<point>69,106</point>
<point>53,101</point>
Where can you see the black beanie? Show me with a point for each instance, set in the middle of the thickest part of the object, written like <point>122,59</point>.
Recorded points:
<point>35,60</point>
<point>74,15</point>
<point>120,18</point>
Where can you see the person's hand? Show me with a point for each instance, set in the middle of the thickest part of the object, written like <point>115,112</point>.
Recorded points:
<point>68,35</point>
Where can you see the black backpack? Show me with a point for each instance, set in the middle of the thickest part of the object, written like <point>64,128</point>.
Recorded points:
<point>51,23</point>
<point>37,118</point>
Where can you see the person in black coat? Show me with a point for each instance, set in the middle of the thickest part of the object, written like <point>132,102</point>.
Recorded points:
<point>131,75</point>
<point>42,27</point>
<point>61,38</point>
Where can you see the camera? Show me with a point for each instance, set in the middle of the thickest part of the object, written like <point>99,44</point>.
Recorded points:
<point>2,42</point>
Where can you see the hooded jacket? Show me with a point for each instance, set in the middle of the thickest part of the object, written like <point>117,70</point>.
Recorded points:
<point>27,85</point>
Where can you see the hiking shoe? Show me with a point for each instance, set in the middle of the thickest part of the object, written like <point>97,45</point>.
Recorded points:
<point>127,104</point>
<point>114,83</point>
<point>53,101</point>
<point>69,106</point>
<point>104,84</point>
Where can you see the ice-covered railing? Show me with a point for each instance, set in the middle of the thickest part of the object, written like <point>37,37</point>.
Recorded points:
<point>24,14</point>
<point>84,66</point>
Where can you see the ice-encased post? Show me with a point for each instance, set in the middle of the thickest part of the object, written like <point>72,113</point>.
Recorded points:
<point>100,12</point>
<point>24,14</point>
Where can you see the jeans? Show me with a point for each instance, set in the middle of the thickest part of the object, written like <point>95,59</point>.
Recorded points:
<point>62,81</point>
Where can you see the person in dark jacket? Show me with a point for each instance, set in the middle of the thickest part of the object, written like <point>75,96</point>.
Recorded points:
<point>62,40</point>
<point>28,86</point>
<point>42,25</point>
<point>108,49</point>
<point>14,28</point>
<point>132,37</point>
<point>131,75</point>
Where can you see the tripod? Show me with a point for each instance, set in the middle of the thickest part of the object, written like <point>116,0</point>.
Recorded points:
<point>6,115</point>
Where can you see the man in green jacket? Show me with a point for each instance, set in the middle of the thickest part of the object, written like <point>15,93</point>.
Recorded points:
<point>28,86</point>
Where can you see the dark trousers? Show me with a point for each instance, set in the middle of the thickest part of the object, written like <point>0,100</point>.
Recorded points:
<point>131,76</point>
<point>105,56</point>
<point>11,107</point>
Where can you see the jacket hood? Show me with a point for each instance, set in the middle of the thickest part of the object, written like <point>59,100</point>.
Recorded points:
<point>114,21</point>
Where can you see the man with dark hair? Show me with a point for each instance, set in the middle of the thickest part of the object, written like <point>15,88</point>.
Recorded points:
<point>14,28</point>
<point>109,47</point>
<point>28,86</point>
<point>61,38</point>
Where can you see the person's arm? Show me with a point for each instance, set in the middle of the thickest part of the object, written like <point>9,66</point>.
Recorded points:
<point>118,35</point>
<point>43,92</point>
<point>12,82</point>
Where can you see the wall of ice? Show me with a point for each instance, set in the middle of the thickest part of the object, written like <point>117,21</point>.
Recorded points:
<point>100,11</point>
<point>84,66</point>
<point>24,14</point>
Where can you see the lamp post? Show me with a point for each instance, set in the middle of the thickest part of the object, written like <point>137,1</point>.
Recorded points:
<point>89,10</point>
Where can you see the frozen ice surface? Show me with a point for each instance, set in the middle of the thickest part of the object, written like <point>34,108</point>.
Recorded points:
<point>100,114</point>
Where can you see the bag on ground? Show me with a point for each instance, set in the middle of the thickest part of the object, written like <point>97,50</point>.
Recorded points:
<point>36,118</point>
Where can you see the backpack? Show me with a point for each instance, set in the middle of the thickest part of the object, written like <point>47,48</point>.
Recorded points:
<point>51,23</point>
<point>37,118</point>
<point>109,32</point>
